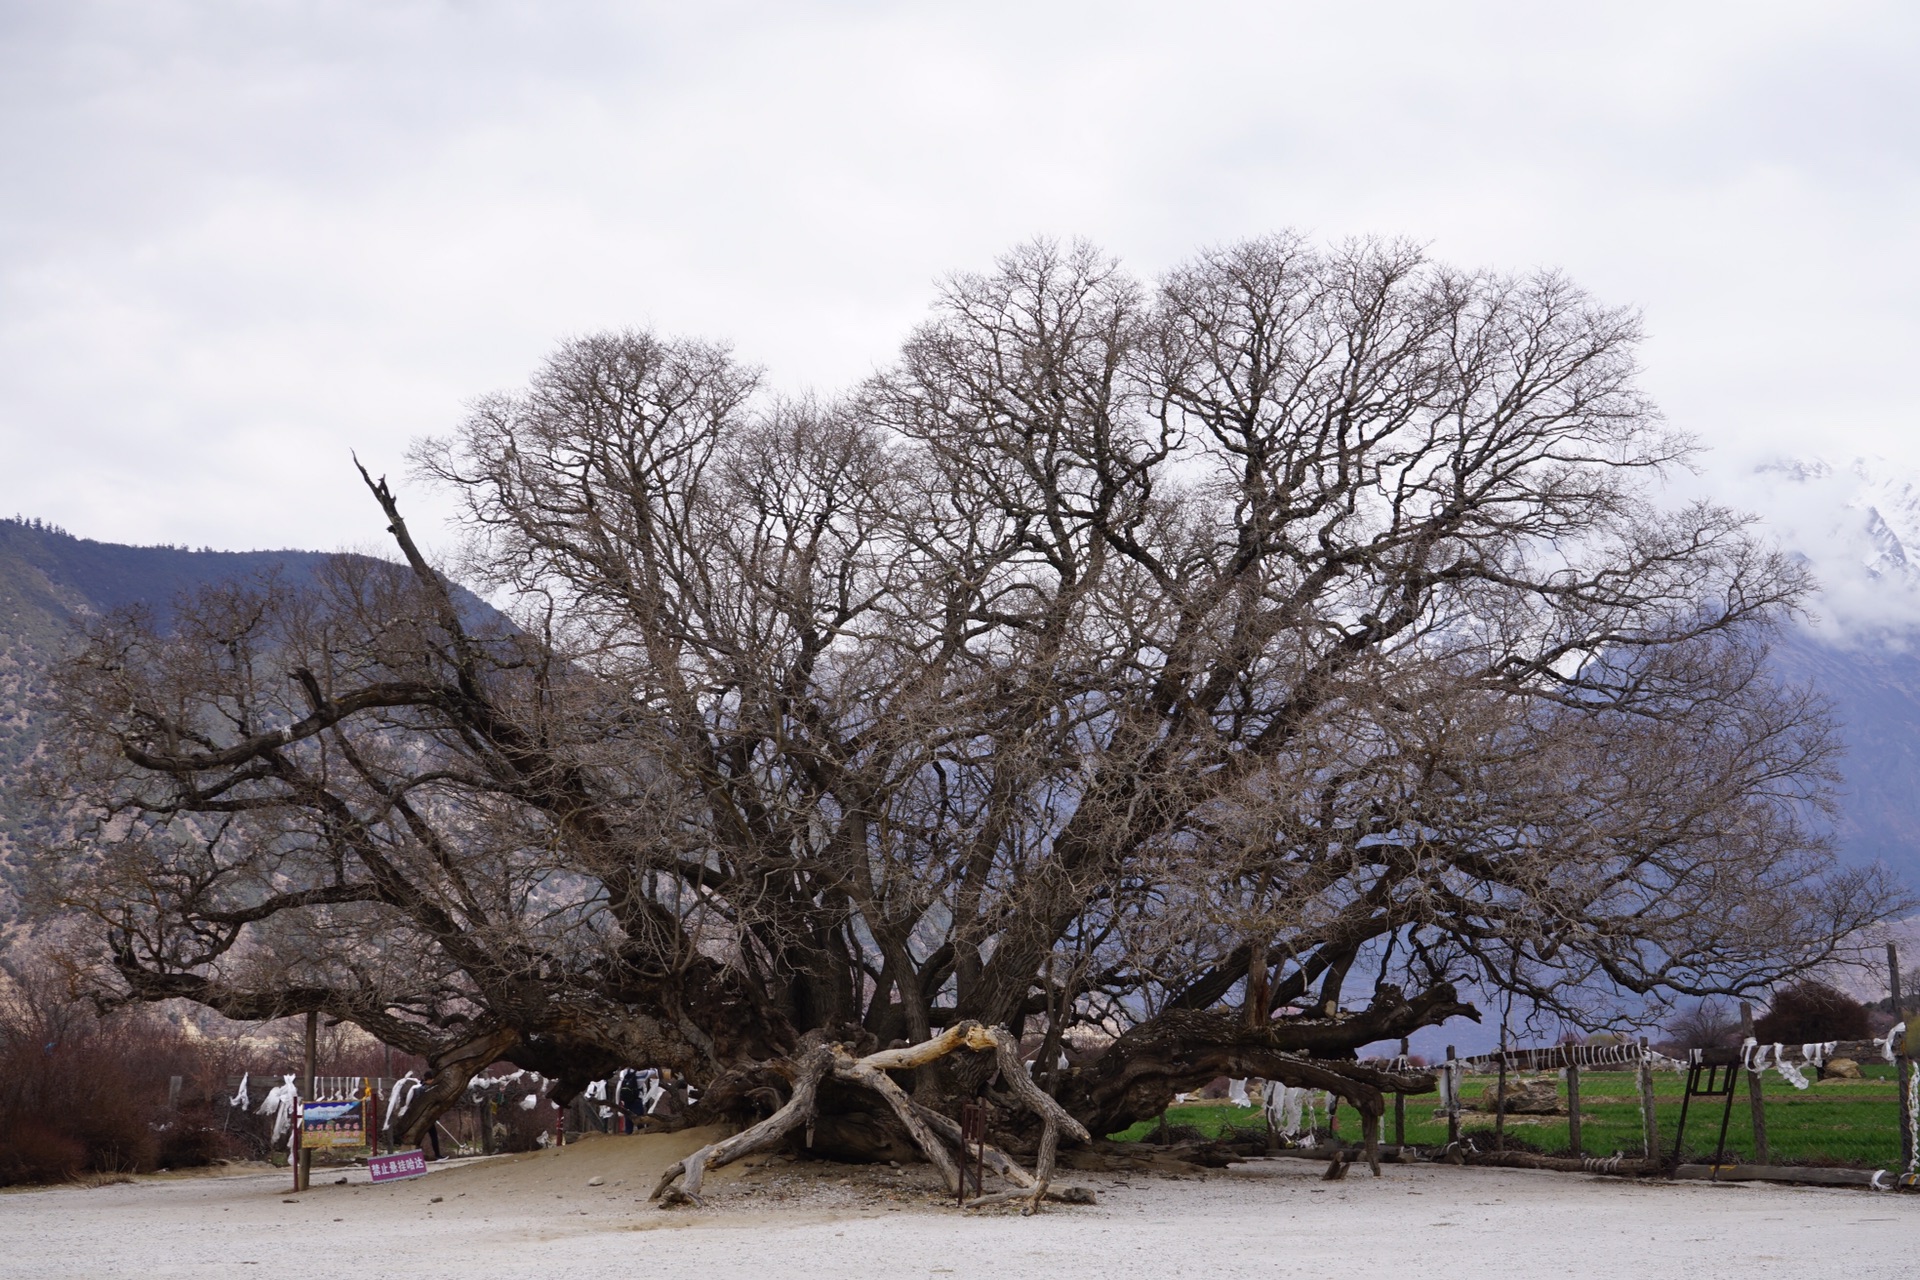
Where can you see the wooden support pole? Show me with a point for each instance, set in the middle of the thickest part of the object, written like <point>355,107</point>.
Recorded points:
<point>1755,1104</point>
<point>1453,1096</point>
<point>1573,1102</point>
<point>1400,1108</point>
<point>1500,1101</point>
<point>1647,1115</point>
<point>1903,1069</point>
<point>303,1171</point>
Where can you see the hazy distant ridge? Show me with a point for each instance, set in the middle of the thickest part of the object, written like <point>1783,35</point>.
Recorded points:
<point>49,580</point>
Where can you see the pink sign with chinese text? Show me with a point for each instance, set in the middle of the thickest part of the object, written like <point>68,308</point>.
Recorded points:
<point>401,1164</point>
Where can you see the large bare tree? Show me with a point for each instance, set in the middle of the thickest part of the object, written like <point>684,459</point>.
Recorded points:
<point>1184,660</point>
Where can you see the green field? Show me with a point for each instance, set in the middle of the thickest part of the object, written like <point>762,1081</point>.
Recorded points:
<point>1852,1122</point>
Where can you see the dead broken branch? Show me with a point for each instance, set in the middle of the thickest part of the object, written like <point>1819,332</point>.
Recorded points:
<point>929,1129</point>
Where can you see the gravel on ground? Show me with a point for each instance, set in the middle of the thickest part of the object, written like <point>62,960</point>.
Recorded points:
<point>582,1213</point>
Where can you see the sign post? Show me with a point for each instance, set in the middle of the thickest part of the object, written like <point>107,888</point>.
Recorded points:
<point>302,1157</point>
<point>327,1125</point>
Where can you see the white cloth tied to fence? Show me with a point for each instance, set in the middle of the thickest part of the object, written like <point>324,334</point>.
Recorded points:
<point>1283,1107</point>
<point>1290,1111</point>
<point>480,1086</point>
<point>1237,1093</point>
<point>240,1098</point>
<point>1560,1056</point>
<point>651,1090</point>
<point>279,1103</point>
<point>647,1089</point>
<point>1788,1072</point>
<point>1913,1122</point>
<point>403,1090</point>
<point>1893,1038</point>
<point>1756,1057</point>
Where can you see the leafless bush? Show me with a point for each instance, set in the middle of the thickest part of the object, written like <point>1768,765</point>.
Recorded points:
<point>82,1093</point>
<point>1708,1023</point>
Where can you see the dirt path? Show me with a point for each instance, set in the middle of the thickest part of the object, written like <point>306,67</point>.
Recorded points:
<point>537,1216</point>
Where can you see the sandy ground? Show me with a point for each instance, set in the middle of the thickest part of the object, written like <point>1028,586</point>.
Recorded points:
<point>538,1216</point>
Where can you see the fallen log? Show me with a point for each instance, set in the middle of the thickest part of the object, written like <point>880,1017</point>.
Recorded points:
<point>1624,1166</point>
<point>1807,1175</point>
<point>1636,1167</point>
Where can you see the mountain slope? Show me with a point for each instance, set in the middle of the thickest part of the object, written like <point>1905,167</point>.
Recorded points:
<point>1856,525</point>
<point>50,580</point>
<point>1875,691</point>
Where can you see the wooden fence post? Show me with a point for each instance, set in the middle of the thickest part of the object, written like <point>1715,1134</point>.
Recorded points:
<point>1761,1155</point>
<point>1400,1110</point>
<point>1500,1102</point>
<point>1453,1098</point>
<point>1571,1056</point>
<point>303,1162</point>
<point>1903,1069</point>
<point>1652,1137</point>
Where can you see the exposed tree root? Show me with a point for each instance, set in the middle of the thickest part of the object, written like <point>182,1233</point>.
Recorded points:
<point>1058,1195</point>
<point>993,1157</point>
<point>817,1061</point>
<point>813,1065</point>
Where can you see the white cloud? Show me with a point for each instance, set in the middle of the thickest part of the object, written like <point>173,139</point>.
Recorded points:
<point>240,238</point>
<point>1857,524</point>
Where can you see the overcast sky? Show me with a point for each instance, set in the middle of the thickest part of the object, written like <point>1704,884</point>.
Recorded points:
<point>239,239</point>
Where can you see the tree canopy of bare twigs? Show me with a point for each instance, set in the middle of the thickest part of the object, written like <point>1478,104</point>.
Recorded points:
<point>1181,659</point>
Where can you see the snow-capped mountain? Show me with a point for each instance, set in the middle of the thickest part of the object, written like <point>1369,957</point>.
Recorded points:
<point>1857,525</point>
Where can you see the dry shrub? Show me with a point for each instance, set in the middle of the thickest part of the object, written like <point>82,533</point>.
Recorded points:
<point>34,1151</point>
<point>84,1093</point>
<point>1707,1023</point>
<point>1810,1011</point>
